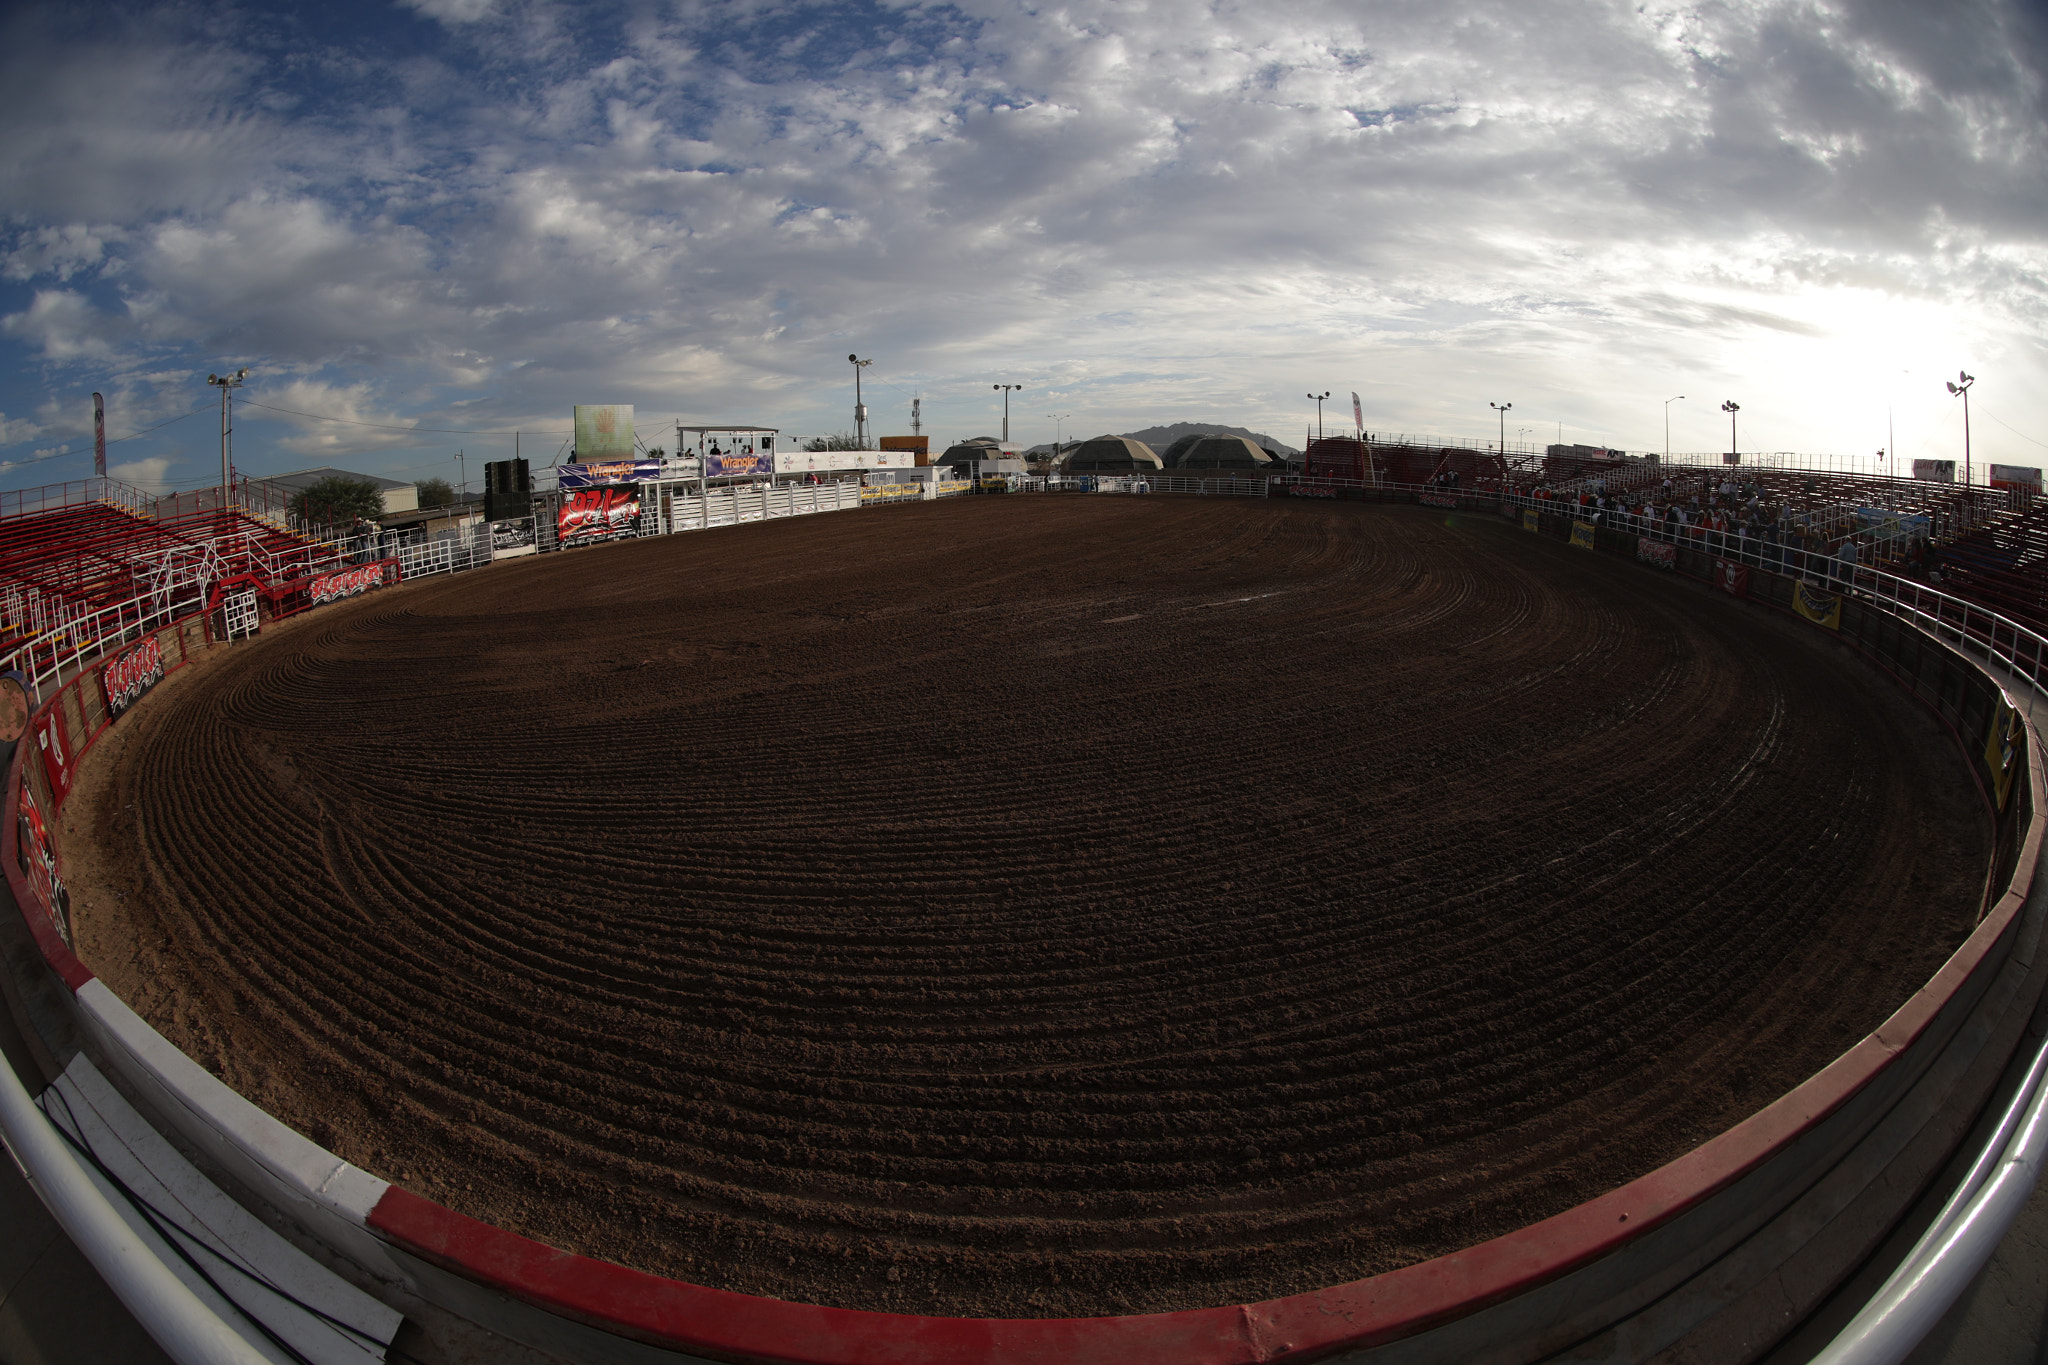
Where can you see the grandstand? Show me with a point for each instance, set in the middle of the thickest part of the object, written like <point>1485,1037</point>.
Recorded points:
<point>71,551</point>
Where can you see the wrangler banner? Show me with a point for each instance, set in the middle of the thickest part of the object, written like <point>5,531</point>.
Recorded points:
<point>1530,521</point>
<point>124,681</point>
<point>598,474</point>
<point>1730,578</point>
<point>1656,552</point>
<point>594,514</point>
<point>1821,608</point>
<point>332,587</point>
<point>1582,535</point>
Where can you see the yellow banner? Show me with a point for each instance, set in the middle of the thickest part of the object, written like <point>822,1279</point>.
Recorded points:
<point>1821,608</point>
<point>1530,521</point>
<point>2002,747</point>
<point>1582,534</point>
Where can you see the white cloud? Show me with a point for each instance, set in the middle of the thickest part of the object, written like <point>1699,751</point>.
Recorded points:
<point>1135,210</point>
<point>144,474</point>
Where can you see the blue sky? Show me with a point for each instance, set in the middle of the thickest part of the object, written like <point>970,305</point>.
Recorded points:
<point>446,220</point>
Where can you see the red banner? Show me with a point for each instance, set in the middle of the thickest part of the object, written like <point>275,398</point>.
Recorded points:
<point>1656,552</point>
<point>35,847</point>
<point>594,514</point>
<point>54,739</point>
<point>332,587</point>
<point>1437,500</point>
<point>124,681</point>
<point>1731,578</point>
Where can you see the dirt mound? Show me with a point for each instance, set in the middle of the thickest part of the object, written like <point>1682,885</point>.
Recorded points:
<point>1027,906</point>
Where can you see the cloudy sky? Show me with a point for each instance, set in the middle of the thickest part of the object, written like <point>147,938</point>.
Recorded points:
<point>445,220</point>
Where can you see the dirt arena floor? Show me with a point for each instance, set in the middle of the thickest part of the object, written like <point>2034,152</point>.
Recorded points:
<point>1027,906</point>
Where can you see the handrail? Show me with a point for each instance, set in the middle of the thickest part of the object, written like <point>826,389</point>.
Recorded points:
<point>190,1332</point>
<point>1951,1253</point>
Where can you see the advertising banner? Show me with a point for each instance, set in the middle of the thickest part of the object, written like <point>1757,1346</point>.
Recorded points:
<point>2015,476</point>
<point>1731,578</point>
<point>596,514</point>
<point>604,431</point>
<point>1656,552</point>
<point>1437,500</point>
<point>132,673</point>
<point>2002,747</point>
<point>1530,521</point>
<point>1821,608</point>
<point>1939,471</point>
<point>332,587</point>
<point>606,473</point>
<point>1582,534</point>
<point>53,739</point>
<point>35,850</point>
<point>99,437</point>
<point>1357,411</point>
<point>735,464</point>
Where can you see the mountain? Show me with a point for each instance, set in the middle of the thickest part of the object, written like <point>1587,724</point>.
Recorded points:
<point>1159,438</point>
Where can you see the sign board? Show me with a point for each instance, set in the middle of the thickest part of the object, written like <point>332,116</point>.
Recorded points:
<point>1656,552</point>
<point>2015,476</point>
<point>604,431</point>
<point>332,587</point>
<point>606,472</point>
<point>1939,471</point>
<point>591,515</point>
<point>823,461</point>
<point>132,673</point>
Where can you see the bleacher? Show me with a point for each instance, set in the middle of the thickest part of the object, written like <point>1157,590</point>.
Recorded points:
<point>2002,565</point>
<point>90,546</point>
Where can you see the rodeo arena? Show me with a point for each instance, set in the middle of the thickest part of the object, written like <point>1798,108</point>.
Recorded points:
<point>1410,903</point>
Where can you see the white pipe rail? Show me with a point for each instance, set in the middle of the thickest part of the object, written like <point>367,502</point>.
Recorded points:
<point>189,1331</point>
<point>1954,1250</point>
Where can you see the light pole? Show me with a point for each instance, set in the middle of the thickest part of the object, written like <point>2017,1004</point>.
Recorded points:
<point>461,470</point>
<point>1962,391</point>
<point>1667,426</point>
<point>1007,389</point>
<point>1319,399</point>
<point>1502,409</point>
<point>227,384</point>
<point>1731,407</point>
<point>860,409</point>
<point>1059,426</point>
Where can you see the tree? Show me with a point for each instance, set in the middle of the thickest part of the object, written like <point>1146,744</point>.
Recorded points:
<point>436,492</point>
<point>838,440</point>
<point>338,501</point>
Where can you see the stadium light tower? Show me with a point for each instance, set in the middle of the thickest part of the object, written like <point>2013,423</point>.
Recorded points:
<point>1962,391</point>
<point>860,409</point>
<point>1667,425</point>
<point>227,384</point>
<point>1731,407</point>
<point>1059,427</point>
<point>1318,399</point>
<point>1502,409</point>
<point>1007,389</point>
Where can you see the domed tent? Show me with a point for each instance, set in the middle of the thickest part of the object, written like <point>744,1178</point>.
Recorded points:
<point>971,451</point>
<point>1222,452</point>
<point>1112,455</point>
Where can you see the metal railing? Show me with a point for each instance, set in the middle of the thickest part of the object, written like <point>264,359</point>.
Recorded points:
<point>77,493</point>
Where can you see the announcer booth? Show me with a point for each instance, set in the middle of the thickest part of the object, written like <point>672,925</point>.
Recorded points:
<point>722,454</point>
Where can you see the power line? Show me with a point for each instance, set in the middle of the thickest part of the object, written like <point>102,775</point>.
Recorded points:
<point>2016,431</point>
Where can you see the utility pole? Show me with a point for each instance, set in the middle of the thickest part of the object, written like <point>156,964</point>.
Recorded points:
<point>860,409</point>
<point>1059,420</point>
<point>227,384</point>
<point>1007,389</point>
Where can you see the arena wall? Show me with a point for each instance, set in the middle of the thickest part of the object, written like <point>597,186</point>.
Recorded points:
<point>1710,1257</point>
